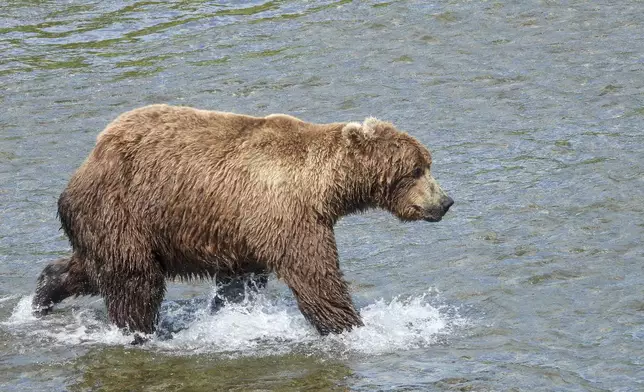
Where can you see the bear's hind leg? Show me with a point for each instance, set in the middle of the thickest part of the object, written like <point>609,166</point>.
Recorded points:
<point>133,300</point>
<point>234,290</point>
<point>61,279</point>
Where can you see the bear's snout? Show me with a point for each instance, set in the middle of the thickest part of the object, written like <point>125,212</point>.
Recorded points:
<point>446,203</point>
<point>436,213</point>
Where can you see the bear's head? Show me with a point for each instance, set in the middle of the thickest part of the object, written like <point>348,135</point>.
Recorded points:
<point>396,171</point>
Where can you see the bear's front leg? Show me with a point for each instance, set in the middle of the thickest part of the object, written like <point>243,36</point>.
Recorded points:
<point>325,302</point>
<point>312,272</point>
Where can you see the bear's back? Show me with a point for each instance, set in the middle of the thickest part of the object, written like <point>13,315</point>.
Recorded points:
<point>159,126</point>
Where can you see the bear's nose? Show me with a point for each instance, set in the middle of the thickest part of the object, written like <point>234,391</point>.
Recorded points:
<point>447,203</point>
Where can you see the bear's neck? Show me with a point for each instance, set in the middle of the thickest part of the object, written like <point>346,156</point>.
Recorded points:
<point>343,184</point>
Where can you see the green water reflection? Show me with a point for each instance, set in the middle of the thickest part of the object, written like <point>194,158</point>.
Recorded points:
<point>118,369</point>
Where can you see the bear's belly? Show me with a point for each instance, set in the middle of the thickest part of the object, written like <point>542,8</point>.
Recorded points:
<point>191,265</point>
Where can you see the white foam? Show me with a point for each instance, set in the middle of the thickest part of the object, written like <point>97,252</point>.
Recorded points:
<point>399,325</point>
<point>261,325</point>
<point>257,325</point>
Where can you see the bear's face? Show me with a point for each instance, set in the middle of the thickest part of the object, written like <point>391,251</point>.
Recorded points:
<point>418,197</point>
<point>401,168</point>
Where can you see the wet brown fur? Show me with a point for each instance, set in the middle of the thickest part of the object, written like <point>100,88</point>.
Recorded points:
<point>178,192</point>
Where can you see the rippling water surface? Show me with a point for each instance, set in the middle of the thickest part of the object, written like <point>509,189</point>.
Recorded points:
<point>535,116</point>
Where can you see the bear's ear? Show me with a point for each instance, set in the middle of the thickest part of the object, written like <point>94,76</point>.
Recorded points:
<point>377,126</point>
<point>354,132</point>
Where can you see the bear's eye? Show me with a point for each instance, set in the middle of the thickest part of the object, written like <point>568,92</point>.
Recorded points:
<point>418,172</point>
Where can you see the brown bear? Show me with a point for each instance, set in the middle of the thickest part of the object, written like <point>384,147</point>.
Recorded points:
<point>179,192</point>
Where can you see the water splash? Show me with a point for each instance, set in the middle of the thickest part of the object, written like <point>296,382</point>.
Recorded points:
<point>22,313</point>
<point>400,324</point>
<point>259,325</point>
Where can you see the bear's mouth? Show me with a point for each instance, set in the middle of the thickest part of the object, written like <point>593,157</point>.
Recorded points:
<point>429,215</point>
<point>432,219</point>
<point>434,214</point>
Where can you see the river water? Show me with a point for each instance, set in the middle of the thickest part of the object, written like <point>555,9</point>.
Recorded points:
<point>534,112</point>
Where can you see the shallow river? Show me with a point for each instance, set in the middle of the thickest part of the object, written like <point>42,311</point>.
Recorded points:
<point>534,112</point>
